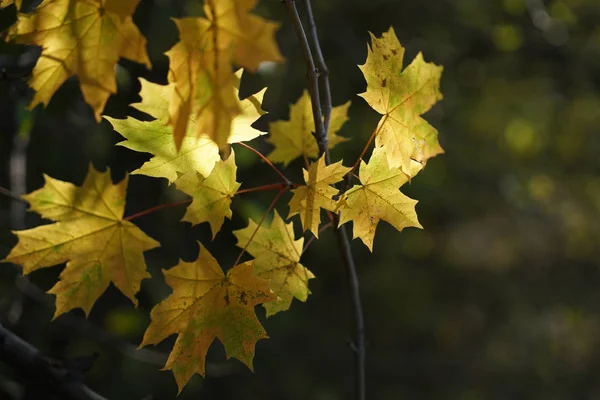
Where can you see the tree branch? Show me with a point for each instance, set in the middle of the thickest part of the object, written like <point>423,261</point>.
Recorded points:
<point>29,360</point>
<point>313,80</point>
<point>321,135</point>
<point>85,328</point>
<point>323,72</point>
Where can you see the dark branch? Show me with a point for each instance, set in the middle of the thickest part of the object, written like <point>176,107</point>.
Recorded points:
<point>313,81</point>
<point>323,71</point>
<point>321,135</point>
<point>85,328</point>
<point>56,375</point>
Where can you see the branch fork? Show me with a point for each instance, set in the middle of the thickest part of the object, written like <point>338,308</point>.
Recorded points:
<point>318,80</point>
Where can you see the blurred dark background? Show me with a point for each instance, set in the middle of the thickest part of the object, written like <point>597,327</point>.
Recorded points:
<point>497,298</point>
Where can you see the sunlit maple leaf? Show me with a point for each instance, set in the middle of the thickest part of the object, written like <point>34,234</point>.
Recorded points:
<point>206,304</point>
<point>294,138</point>
<point>318,193</point>
<point>201,66</point>
<point>378,198</point>
<point>251,110</point>
<point>402,97</point>
<point>252,37</point>
<point>211,196</point>
<point>84,38</point>
<point>90,234</point>
<point>155,137</point>
<point>201,72</point>
<point>277,259</point>
<point>6,3</point>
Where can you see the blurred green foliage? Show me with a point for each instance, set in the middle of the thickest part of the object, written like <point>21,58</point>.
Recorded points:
<point>497,298</point>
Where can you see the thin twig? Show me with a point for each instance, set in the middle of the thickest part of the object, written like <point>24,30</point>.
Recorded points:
<point>320,61</point>
<point>364,150</point>
<point>261,155</point>
<point>341,234</point>
<point>237,260</point>
<point>351,174</point>
<point>264,188</point>
<point>157,208</point>
<point>313,237</point>
<point>13,196</point>
<point>29,360</point>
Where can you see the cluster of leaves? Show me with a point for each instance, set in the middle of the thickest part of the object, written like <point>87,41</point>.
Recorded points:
<point>198,115</point>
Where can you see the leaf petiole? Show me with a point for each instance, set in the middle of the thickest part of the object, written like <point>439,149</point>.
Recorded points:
<point>265,159</point>
<point>259,224</point>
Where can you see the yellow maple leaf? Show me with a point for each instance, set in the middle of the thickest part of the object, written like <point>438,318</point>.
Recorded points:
<point>6,3</point>
<point>318,193</point>
<point>294,138</point>
<point>252,37</point>
<point>277,259</point>
<point>201,64</point>
<point>83,38</point>
<point>402,97</point>
<point>206,304</point>
<point>90,234</point>
<point>195,154</point>
<point>212,195</point>
<point>251,110</point>
<point>378,198</point>
<point>200,70</point>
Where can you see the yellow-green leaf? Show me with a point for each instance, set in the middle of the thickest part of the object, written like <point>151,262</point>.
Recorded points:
<point>277,259</point>
<point>90,235</point>
<point>200,69</point>
<point>378,198</point>
<point>206,304</point>
<point>201,66</point>
<point>155,137</point>
<point>84,38</point>
<point>211,196</point>
<point>6,3</point>
<point>294,138</point>
<point>251,110</point>
<point>318,193</point>
<point>402,97</point>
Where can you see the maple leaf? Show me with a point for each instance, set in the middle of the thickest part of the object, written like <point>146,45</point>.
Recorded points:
<point>251,36</point>
<point>294,138</point>
<point>200,65</point>
<point>83,38</point>
<point>308,200</point>
<point>402,97</point>
<point>211,196</point>
<point>251,110</point>
<point>203,82</point>
<point>6,3</point>
<point>206,304</point>
<point>90,234</point>
<point>195,153</point>
<point>378,198</point>
<point>277,259</point>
